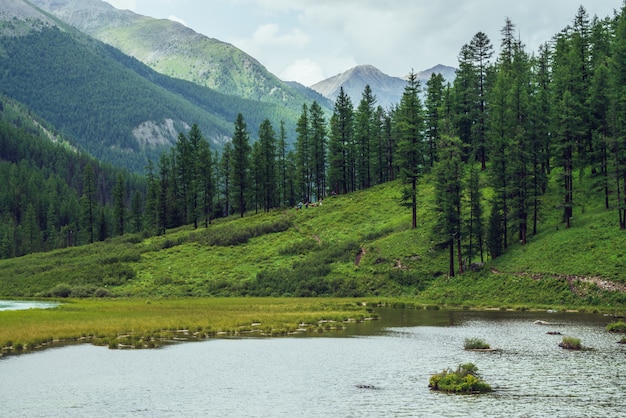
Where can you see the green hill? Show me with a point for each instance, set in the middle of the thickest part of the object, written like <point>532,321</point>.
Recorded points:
<point>356,245</point>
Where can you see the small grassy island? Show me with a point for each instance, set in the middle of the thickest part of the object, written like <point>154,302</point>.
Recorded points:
<point>618,326</point>
<point>476,344</point>
<point>570,343</point>
<point>464,379</point>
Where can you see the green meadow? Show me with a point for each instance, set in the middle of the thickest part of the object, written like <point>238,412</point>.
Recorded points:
<point>288,267</point>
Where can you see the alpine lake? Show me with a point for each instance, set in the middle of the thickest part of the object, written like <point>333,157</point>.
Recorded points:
<point>375,368</point>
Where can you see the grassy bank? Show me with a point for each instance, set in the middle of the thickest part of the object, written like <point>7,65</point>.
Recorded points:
<point>147,323</point>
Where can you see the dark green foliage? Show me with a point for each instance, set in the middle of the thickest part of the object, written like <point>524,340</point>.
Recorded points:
<point>233,235</point>
<point>307,277</point>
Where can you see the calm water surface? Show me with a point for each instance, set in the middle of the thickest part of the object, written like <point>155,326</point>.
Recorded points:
<point>319,376</point>
<point>18,305</point>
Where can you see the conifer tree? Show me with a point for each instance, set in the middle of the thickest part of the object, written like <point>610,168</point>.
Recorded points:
<point>119,205</point>
<point>240,164</point>
<point>409,122</point>
<point>433,103</point>
<point>319,133</point>
<point>448,189</point>
<point>365,135</point>
<point>88,202</point>
<point>303,155</point>
<point>340,144</point>
<point>267,180</point>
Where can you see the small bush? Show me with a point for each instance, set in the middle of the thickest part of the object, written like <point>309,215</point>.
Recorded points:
<point>101,292</point>
<point>570,343</point>
<point>464,379</point>
<point>60,290</point>
<point>475,344</point>
<point>619,326</point>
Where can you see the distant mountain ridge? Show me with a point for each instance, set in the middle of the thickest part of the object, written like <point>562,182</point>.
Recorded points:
<point>175,50</point>
<point>387,89</point>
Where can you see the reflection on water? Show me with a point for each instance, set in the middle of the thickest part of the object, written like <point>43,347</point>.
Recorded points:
<point>315,377</point>
<point>18,305</point>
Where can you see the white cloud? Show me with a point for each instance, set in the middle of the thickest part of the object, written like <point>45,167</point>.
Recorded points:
<point>177,19</point>
<point>269,35</point>
<point>123,4</point>
<point>304,71</point>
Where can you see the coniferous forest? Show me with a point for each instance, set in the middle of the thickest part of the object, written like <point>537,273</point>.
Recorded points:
<point>512,121</point>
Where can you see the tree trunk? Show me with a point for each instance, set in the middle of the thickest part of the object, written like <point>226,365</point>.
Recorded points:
<point>451,247</point>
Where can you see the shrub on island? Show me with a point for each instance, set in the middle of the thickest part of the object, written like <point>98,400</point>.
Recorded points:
<point>464,379</point>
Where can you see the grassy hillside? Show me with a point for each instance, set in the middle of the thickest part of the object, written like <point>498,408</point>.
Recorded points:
<point>352,245</point>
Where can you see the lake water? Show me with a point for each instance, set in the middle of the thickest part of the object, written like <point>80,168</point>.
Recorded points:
<point>320,376</point>
<point>18,305</point>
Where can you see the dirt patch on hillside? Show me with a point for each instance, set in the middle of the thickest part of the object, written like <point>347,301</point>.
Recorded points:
<point>359,256</point>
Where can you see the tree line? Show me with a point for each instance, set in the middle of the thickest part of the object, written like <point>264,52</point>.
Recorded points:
<point>509,123</point>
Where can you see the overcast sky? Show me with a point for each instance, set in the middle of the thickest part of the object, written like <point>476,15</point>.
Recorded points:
<point>311,40</point>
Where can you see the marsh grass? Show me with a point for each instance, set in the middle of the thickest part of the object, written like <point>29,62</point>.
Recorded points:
<point>146,322</point>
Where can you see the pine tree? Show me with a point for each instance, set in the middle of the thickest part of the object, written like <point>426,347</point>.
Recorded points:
<point>365,134</point>
<point>119,205</point>
<point>340,144</point>
<point>88,202</point>
<point>267,143</point>
<point>319,134</point>
<point>481,51</point>
<point>448,189</point>
<point>433,103</point>
<point>303,155</point>
<point>409,123</point>
<point>282,166</point>
<point>240,164</point>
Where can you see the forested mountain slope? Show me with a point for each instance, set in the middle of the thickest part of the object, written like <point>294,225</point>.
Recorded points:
<point>175,50</point>
<point>109,104</point>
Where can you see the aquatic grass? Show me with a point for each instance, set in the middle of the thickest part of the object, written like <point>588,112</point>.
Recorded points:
<point>104,320</point>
